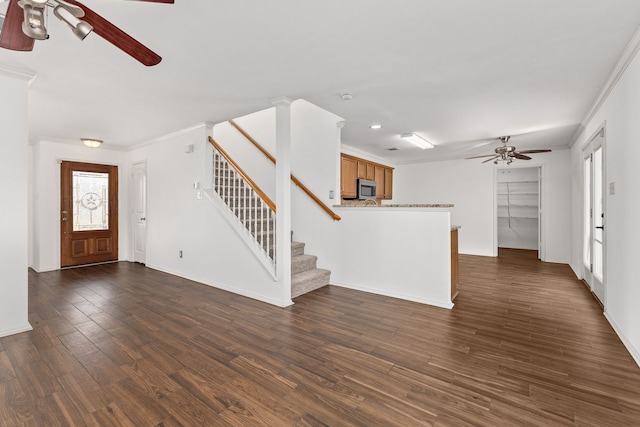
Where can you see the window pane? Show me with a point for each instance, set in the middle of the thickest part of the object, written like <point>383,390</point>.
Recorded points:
<point>90,201</point>
<point>587,212</point>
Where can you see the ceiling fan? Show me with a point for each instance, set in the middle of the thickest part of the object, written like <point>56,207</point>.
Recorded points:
<point>508,153</point>
<point>25,22</point>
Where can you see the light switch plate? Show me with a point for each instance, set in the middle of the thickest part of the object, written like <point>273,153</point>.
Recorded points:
<point>612,188</point>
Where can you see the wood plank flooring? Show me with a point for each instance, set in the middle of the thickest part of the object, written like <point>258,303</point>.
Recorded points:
<point>123,345</point>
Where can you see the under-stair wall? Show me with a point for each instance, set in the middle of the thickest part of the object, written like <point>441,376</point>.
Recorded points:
<point>178,221</point>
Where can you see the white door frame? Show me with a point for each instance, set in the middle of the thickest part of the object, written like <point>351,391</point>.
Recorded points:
<point>139,217</point>
<point>596,285</point>
<point>541,205</point>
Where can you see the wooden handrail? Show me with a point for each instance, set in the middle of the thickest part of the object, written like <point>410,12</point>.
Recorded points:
<point>295,180</point>
<point>244,175</point>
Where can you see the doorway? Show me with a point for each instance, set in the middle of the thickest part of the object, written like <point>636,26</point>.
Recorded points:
<point>519,208</point>
<point>88,213</point>
<point>594,216</point>
<point>139,219</point>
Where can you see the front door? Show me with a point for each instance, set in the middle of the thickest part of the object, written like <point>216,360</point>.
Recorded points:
<point>88,213</point>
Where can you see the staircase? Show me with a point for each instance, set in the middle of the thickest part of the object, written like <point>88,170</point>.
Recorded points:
<point>250,207</point>
<point>305,276</point>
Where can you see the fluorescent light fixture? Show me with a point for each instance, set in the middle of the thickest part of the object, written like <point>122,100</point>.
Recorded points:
<point>416,140</point>
<point>376,126</point>
<point>92,143</point>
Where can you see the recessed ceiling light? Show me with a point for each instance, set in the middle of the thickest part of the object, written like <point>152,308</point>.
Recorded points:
<point>347,96</point>
<point>375,126</point>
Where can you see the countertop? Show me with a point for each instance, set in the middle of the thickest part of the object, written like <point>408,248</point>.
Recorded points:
<point>366,204</point>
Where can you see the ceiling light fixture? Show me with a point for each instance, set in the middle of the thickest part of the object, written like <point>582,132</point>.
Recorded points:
<point>375,126</point>
<point>70,14</point>
<point>34,24</point>
<point>347,96</point>
<point>416,140</point>
<point>92,143</point>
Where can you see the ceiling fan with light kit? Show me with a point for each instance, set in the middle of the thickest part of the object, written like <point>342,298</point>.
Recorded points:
<point>508,153</point>
<point>25,21</point>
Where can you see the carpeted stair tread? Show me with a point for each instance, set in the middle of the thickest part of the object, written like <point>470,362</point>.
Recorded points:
<point>300,263</point>
<point>308,281</point>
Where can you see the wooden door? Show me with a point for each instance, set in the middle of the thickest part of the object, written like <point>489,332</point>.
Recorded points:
<point>139,219</point>
<point>88,213</point>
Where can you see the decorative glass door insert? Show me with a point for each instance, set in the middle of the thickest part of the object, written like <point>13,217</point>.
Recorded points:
<point>90,201</point>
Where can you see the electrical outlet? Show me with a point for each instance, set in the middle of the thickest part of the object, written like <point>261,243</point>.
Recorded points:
<point>331,194</point>
<point>180,254</point>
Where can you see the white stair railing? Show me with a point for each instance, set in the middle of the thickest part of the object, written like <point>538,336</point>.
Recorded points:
<point>246,202</point>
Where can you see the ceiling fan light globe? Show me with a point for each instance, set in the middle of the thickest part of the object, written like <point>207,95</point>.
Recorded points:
<point>82,30</point>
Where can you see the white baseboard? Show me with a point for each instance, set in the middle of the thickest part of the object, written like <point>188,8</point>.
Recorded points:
<point>234,290</point>
<point>441,304</point>
<point>635,353</point>
<point>18,330</point>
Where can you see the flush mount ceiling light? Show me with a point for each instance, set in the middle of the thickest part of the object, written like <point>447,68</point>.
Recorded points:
<point>416,140</point>
<point>376,126</point>
<point>90,142</point>
<point>347,97</point>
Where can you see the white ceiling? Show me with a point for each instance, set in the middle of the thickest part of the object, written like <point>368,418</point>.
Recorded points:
<point>459,72</point>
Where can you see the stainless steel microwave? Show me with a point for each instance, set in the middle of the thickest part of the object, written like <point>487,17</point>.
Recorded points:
<point>366,190</point>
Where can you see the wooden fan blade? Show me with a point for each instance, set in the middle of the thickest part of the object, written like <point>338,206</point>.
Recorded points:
<point>533,151</point>
<point>495,156</point>
<point>12,36</point>
<point>519,155</point>
<point>477,157</point>
<point>117,37</point>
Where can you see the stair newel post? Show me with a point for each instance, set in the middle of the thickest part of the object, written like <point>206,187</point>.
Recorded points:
<point>282,231</point>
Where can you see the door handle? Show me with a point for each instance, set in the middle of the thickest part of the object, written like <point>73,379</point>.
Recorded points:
<point>600,227</point>
<point>143,219</point>
<point>65,219</point>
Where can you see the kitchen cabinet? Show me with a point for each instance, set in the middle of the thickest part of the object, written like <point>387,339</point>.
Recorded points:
<point>388,183</point>
<point>379,179</point>
<point>348,177</point>
<point>354,168</point>
<point>455,266</point>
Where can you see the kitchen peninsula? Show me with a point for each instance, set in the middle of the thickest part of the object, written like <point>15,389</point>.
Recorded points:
<point>398,250</point>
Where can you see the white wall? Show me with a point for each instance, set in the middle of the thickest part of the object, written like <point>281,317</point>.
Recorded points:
<point>177,221</point>
<point>262,127</point>
<point>470,186</point>
<point>314,147</point>
<point>622,226</point>
<point>45,165</point>
<point>14,189</point>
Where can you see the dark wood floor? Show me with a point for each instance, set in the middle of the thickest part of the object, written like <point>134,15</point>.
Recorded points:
<point>121,344</point>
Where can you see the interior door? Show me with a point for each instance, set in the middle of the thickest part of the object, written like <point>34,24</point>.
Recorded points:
<point>139,196</point>
<point>88,213</point>
<point>594,216</point>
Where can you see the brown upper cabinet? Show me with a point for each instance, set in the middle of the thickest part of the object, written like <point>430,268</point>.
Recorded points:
<point>348,177</point>
<point>353,168</point>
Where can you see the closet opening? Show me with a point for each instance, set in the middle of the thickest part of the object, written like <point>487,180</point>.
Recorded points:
<point>519,209</point>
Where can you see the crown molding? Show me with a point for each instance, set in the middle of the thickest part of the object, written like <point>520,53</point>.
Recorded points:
<point>618,70</point>
<point>17,73</point>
